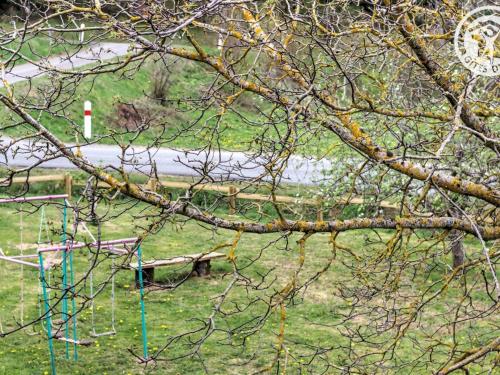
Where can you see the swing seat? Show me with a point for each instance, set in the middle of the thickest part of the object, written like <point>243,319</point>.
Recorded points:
<point>110,333</point>
<point>83,342</point>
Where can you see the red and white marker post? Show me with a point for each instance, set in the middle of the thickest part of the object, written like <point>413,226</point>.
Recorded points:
<point>82,33</point>
<point>87,120</point>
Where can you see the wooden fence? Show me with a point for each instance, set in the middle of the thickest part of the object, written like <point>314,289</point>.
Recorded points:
<point>232,192</point>
<point>66,179</point>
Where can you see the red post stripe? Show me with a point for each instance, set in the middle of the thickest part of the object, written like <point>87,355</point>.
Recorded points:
<point>88,113</point>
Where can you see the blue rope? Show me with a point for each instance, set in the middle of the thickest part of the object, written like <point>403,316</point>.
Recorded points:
<point>47,314</point>
<point>143,314</point>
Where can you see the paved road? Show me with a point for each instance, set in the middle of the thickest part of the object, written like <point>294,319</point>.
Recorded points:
<point>92,55</point>
<point>223,165</point>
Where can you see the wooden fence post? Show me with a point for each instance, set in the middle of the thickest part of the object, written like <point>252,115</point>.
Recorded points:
<point>68,184</point>
<point>232,199</point>
<point>319,209</point>
<point>152,184</point>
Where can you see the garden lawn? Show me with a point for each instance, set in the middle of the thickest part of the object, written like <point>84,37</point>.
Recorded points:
<point>171,312</point>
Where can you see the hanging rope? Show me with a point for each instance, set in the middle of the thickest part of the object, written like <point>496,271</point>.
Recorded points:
<point>89,193</point>
<point>93,307</point>
<point>3,277</point>
<point>43,226</point>
<point>21,225</point>
<point>91,197</point>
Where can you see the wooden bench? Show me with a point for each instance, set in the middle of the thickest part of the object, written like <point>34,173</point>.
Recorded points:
<point>201,265</point>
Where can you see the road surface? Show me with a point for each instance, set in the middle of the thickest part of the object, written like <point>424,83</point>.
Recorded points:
<point>223,165</point>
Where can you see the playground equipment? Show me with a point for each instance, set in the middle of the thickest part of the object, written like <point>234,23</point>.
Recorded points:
<point>24,260</point>
<point>47,258</point>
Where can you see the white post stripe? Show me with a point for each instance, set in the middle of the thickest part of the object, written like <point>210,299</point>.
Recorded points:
<point>87,120</point>
<point>82,33</point>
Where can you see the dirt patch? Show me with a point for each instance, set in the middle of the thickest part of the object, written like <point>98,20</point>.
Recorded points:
<point>318,294</point>
<point>111,225</point>
<point>142,115</point>
<point>130,117</point>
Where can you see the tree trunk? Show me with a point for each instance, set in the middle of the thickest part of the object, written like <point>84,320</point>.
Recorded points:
<point>457,248</point>
<point>455,239</point>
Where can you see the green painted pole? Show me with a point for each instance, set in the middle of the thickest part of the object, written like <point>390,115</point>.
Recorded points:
<point>65,302</point>
<point>47,314</point>
<point>65,281</point>
<point>73,304</point>
<point>65,213</point>
<point>143,313</point>
<point>70,287</point>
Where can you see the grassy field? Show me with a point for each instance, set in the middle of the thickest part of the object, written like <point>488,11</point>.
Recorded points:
<point>171,312</point>
<point>187,96</point>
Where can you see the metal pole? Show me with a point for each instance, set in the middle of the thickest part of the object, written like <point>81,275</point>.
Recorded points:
<point>73,305</point>
<point>72,282</point>
<point>143,313</point>
<point>65,282</point>
<point>47,315</point>
<point>102,245</point>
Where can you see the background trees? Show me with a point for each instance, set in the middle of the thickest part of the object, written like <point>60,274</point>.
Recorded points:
<point>375,88</point>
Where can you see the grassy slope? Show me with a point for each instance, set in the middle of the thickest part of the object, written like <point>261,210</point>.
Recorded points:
<point>187,79</point>
<point>108,90</point>
<point>170,311</point>
<point>41,46</point>
<point>38,48</point>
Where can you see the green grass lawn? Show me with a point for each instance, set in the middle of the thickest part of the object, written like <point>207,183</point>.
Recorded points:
<point>171,312</point>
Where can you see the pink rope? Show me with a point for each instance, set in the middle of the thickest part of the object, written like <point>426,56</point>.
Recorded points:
<point>102,245</point>
<point>31,199</point>
<point>8,259</point>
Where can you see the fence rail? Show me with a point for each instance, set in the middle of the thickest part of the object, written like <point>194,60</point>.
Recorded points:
<point>67,179</point>
<point>232,192</point>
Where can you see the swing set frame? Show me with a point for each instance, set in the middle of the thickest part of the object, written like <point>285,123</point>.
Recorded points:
<point>67,248</point>
<point>17,258</point>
